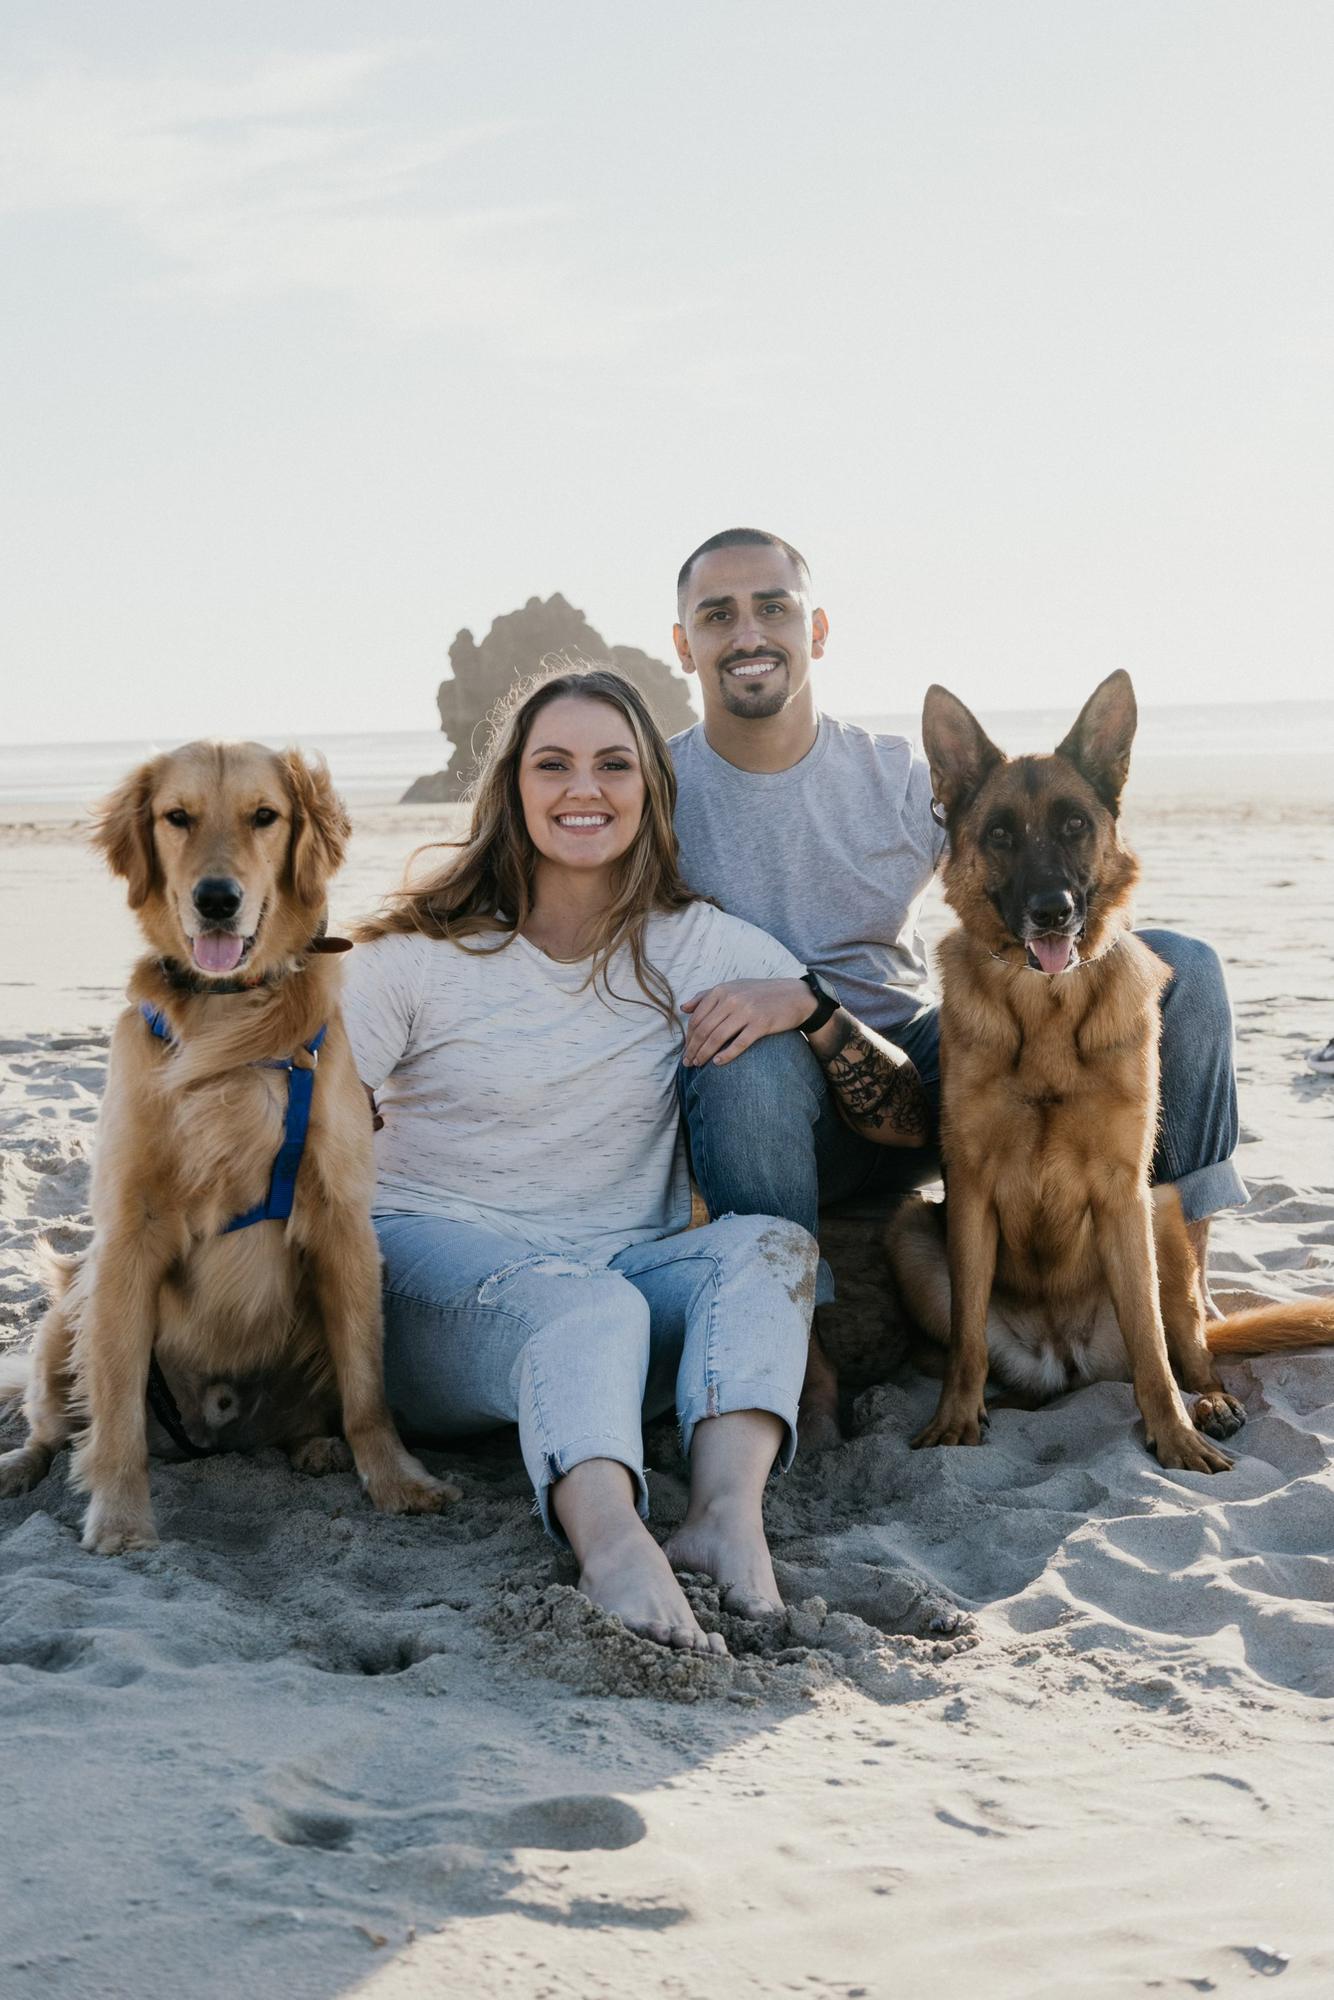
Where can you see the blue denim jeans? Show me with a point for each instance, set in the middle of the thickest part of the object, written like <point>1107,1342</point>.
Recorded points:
<point>480,1332</point>
<point>765,1134</point>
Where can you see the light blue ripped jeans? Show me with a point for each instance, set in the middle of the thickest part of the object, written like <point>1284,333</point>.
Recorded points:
<point>480,1332</point>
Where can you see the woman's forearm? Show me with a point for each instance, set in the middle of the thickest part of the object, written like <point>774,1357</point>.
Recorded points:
<point>875,1085</point>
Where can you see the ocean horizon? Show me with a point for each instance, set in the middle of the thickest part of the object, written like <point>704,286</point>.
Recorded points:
<point>377,766</point>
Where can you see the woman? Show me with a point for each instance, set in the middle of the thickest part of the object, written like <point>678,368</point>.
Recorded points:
<point>516,1016</point>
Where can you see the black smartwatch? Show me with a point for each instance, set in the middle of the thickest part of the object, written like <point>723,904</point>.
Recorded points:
<point>827,1003</point>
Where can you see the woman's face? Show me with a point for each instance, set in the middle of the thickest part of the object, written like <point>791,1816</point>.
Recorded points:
<point>581,783</point>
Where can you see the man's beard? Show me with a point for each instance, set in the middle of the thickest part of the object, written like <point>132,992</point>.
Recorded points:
<point>756,699</point>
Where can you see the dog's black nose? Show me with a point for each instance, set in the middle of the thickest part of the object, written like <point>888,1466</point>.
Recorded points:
<point>218,898</point>
<point>1050,909</point>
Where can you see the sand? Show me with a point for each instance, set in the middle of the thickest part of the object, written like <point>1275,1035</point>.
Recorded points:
<point>1041,1719</point>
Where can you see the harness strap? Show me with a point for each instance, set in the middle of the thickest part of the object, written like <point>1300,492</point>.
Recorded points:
<point>277,1203</point>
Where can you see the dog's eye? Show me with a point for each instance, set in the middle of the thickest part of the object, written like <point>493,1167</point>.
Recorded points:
<point>177,817</point>
<point>265,816</point>
<point>998,835</point>
<point>1076,823</point>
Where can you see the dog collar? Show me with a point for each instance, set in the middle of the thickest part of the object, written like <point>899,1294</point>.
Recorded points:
<point>184,978</point>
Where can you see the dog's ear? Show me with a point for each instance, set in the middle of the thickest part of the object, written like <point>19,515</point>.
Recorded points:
<point>123,829</point>
<point>320,827</point>
<point>1099,744</point>
<point>958,748</point>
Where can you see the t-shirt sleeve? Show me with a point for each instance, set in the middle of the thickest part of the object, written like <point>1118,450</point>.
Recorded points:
<point>732,949</point>
<point>381,994</point>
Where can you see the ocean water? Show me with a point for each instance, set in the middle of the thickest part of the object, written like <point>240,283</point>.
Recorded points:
<point>1275,743</point>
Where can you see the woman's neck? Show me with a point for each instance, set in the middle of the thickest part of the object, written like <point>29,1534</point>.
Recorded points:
<point>567,906</point>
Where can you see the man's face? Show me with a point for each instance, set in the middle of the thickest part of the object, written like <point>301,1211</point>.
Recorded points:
<point>748,630</point>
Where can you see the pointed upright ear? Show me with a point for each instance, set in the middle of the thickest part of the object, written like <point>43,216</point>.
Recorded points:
<point>320,827</point>
<point>1099,744</point>
<point>123,829</point>
<point>958,748</point>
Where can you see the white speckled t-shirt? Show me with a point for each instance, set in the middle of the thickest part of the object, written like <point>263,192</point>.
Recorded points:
<point>517,1097</point>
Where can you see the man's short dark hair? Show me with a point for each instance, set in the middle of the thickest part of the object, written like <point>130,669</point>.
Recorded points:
<point>741,538</point>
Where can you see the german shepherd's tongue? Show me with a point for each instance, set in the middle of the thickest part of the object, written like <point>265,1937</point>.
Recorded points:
<point>219,951</point>
<point>1053,954</point>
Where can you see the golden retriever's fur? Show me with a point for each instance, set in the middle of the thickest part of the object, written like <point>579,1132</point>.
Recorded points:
<point>1054,1263</point>
<point>187,1139</point>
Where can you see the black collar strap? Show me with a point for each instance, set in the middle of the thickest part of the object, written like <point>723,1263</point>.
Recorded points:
<point>163,1405</point>
<point>184,979</point>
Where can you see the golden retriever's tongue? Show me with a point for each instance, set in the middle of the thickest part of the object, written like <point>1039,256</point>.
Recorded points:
<point>1053,954</point>
<point>218,951</point>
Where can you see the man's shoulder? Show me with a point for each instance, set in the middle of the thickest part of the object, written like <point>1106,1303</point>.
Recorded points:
<point>683,742</point>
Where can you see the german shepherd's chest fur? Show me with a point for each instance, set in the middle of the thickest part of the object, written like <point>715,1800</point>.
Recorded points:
<point>1046,1090</point>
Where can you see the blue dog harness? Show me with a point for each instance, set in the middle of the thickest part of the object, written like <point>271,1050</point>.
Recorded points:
<point>277,1203</point>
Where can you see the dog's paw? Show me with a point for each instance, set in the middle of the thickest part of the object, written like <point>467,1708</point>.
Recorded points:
<point>113,1528</point>
<point>1184,1450</point>
<point>410,1489</point>
<point>954,1423</point>
<point>319,1456</point>
<point>1217,1414</point>
<point>23,1469</point>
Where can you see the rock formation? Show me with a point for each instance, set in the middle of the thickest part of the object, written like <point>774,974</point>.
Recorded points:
<point>515,646</point>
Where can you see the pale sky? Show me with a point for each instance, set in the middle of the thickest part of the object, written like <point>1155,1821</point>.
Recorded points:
<point>331,328</point>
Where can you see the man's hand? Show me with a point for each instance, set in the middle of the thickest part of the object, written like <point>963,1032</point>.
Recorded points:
<point>725,1020</point>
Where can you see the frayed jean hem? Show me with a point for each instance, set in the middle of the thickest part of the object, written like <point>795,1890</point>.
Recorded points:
<point>740,1396</point>
<point>546,1468</point>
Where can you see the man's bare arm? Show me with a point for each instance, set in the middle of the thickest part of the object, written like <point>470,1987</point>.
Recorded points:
<point>875,1086</point>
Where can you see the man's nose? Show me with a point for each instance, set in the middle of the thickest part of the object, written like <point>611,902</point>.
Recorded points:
<point>218,897</point>
<point>1050,909</point>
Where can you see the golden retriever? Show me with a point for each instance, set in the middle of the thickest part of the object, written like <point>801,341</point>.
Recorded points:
<point>226,849</point>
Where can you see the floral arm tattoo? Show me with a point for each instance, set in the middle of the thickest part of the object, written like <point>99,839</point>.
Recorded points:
<point>878,1091</point>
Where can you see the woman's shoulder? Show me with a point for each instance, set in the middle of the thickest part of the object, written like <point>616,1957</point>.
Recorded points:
<point>702,932</point>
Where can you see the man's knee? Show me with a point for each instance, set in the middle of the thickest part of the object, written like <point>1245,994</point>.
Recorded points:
<point>777,1077</point>
<point>1197,996</point>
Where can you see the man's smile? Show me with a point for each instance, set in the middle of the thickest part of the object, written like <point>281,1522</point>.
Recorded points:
<point>754,667</point>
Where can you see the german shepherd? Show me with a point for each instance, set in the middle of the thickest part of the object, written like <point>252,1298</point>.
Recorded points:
<point>1052,1261</point>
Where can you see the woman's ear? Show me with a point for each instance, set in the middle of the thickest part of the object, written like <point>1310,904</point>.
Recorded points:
<point>320,827</point>
<point>123,829</point>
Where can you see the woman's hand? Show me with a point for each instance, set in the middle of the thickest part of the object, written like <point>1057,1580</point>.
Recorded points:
<point>725,1020</point>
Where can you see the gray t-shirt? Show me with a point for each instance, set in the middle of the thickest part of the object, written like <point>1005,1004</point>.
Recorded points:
<point>832,857</point>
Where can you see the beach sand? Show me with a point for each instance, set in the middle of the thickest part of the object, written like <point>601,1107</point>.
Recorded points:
<point>1043,1717</point>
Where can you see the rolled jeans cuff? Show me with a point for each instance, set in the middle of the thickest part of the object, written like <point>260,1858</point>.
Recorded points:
<point>1207,1189</point>
<point>757,1395</point>
<point>545,1468</point>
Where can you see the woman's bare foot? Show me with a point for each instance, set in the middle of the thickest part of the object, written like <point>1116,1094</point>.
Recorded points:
<point>722,1543</point>
<point>622,1569</point>
<point>628,1573</point>
<point>723,1531</point>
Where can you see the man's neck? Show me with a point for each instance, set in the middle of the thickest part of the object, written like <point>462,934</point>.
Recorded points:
<point>765,742</point>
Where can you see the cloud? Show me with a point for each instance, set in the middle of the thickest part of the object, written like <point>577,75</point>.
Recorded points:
<point>283,180</point>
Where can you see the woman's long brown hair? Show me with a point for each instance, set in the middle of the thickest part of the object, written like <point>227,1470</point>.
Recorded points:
<point>486,888</point>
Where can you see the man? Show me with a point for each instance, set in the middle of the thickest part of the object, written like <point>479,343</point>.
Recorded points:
<point>823,835</point>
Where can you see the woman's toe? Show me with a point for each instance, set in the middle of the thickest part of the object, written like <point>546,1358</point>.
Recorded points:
<point>716,1644</point>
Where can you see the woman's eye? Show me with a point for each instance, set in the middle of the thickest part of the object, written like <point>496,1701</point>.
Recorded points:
<point>177,817</point>
<point>551,764</point>
<point>615,764</point>
<point>265,816</point>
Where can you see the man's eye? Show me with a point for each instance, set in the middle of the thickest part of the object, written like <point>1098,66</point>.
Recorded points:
<point>264,816</point>
<point>715,618</point>
<point>777,609</point>
<point>177,817</point>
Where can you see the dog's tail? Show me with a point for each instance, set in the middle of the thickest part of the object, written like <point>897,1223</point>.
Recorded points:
<point>15,1372</point>
<point>1278,1329</point>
